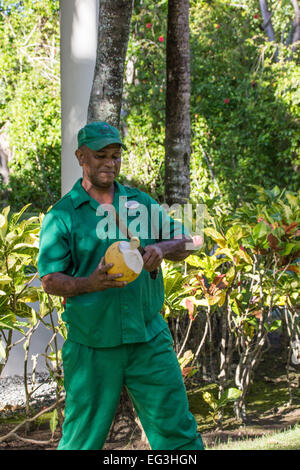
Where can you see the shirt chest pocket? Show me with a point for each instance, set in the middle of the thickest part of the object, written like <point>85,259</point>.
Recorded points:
<point>88,250</point>
<point>85,241</point>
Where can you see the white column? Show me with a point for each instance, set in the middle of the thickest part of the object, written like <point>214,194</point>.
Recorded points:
<point>79,21</point>
<point>78,31</point>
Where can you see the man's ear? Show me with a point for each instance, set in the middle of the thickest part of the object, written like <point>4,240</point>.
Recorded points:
<point>80,156</point>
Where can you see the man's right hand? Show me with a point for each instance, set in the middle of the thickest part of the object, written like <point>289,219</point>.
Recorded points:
<point>67,286</point>
<point>101,280</point>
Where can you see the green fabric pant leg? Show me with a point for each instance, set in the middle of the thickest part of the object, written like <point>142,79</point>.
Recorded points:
<point>150,371</point>
<point>154,382</point>
<point>93,380</point>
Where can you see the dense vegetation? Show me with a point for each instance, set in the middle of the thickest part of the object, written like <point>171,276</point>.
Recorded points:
<point>244,105</point>
<point>30,100</point>
<point>225,300</point>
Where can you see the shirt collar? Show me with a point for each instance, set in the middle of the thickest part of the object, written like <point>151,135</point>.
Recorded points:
<point>79,194</point>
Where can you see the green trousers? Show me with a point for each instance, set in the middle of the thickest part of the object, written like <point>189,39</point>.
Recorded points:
<point>151,374</point>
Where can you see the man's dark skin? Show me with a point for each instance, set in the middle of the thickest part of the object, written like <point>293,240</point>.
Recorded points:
<point>100,168</point>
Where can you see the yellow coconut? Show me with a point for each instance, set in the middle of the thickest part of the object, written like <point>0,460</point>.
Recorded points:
<point>126,259</point>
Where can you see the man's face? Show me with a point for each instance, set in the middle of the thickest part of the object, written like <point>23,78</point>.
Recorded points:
<point>100,167</point>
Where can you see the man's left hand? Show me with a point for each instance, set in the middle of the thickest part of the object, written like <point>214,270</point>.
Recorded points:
<point>152,257</point>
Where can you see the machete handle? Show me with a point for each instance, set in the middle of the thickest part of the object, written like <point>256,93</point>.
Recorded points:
<point>154,273</point>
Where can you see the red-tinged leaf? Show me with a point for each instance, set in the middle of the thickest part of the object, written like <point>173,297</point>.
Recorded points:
<point>288,228</point>
<point>187,370</point>
<point>212,289</point>
<point>261,219</point>
<point>218,283</point>
<point>293,268</point>
<point>273,242</point>
<point>202,283</point>
<point>257,313</point>
<point>190,306</point>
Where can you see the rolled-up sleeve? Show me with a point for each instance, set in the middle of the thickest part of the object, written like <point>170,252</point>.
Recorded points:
<point>54,246</point>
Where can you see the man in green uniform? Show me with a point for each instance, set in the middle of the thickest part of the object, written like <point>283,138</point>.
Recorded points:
<point>116,334</point>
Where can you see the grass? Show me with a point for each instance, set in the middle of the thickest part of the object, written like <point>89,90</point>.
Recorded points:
<point>286,440</point>
<point>268,391</point>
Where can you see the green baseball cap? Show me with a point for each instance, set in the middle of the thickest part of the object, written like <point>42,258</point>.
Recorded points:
<point>99,134</point>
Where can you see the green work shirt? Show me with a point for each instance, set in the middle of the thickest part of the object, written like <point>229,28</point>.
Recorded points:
<point>75,235</point>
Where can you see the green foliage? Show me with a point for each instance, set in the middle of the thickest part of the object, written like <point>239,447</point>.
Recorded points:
<point>244,100</point>
<point>53,421</point>
<point>217,405</point>
<point>30,100</point>
<point>18,248</point>
<point>19,244</point>
<point>18,253</point>
<point>259,244</point>
<point>186,370</point>
<point>244,277</point>
<point>244,103</point>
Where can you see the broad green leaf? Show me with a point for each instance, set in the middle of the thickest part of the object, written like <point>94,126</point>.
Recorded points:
<point>186,358</point>
<point>221,298</point>
<point>23,310</point>
<point>292,200</point>
<point>244,255</point>
<point>231,394</point>
<point>274,192</point>
<point>274,325</point>
<point>216,299</point>
<point>259,231</point>
<point>203,302</point>
<point>225,251</point>
<point>53,422</point>
<point>230,275</point>
<point>4,279</point>
<point>194,260</point>
<point>30,294</point>
<point>23,245</point>
<point>210,399</point>
<point>216,236</point>
<point>15,217</point>
<point>234,234</point>
<point>173,283</point>
<point>236,308</point>
<point>288,247</point>
<point>8,320</point>
<point>3,225</point>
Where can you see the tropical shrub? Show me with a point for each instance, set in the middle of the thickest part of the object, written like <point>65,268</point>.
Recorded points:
<point>221,305</point>
<point>242,285</point>
<point>19,245</point>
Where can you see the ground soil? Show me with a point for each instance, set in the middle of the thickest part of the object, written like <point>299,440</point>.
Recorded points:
<point>268,413</point>
<point>129,437</point>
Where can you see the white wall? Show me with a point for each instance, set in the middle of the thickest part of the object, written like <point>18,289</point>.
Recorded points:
<point>79,21</point>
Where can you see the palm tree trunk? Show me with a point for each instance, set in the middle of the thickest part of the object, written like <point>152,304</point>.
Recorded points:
<point>178,125</point>
<point>113,34</point>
